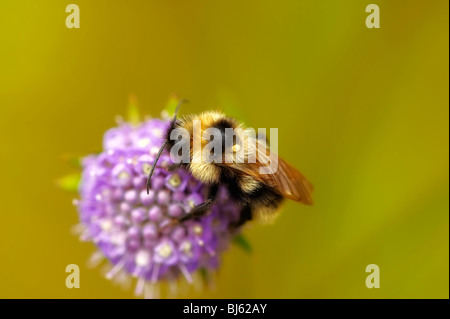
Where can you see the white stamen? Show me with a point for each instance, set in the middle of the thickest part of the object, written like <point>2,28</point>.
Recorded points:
<point>142,258</point>
<point>186,247</point>
<point>173,288</point>
<point>191,203</point>
<point>158,132</point>
<point>123,175</point>
<point>155,272</point>
<point>136,271</point>
<point>154,150</point>
<point>143,142</point>
<point>146,168</point>
<point>117,267</point>
<point>165,115</point>
<point>198,230</point>
<point>95,259</point>
<point>157,291</point>
<point>152,291</point>
<point>85,235</point>
<point>119,238</point>
<point>209,251</point>
<point>139,286</point>
<point>148,291</point>
<point>118,251</point>
<point>100,237</point>
<point>175,180</point>
<point>106,224</point>
<point>124,280</point>
<point>77,229</point>
<point>186,273</point>
<point>165,250</point>
<point>119,120</point>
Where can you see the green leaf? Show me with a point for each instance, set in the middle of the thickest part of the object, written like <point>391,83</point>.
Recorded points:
<point>69,182</point>
<point>242,242</point>
<point>171,105</point>
<point>72,160</point>
<point>204,274</point>
<point>133,111</point>
<point>207,277</point>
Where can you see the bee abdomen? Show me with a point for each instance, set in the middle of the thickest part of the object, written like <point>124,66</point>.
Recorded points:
<point>265,202</point>
<point>248,184</point>
<point>262,199</point>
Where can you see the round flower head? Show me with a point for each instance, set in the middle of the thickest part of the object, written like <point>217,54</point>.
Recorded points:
<point>136,231</point>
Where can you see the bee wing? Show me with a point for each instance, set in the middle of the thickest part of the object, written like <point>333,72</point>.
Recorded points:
<point>289,182</point>
<point>286,180</point>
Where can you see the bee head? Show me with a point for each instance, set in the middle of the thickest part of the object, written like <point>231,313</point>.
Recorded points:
<point>221,139</point>
<point>214,139</point>
<point>205,141</point>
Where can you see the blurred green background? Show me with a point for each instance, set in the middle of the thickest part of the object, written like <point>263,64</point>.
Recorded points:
<point>362,112</point>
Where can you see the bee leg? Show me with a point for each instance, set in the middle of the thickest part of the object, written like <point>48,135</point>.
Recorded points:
<point>173,167</point>
<point>172,222</point>
<point>203,208</point>
<point>198,211</point>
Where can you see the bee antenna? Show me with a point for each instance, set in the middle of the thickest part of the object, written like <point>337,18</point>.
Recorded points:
<point>163,146</point>
<point>181,102</point>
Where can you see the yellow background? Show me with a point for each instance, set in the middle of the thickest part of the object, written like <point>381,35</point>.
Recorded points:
<point>362,112</point>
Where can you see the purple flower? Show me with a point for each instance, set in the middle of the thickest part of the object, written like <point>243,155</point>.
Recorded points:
<point>138,232</point>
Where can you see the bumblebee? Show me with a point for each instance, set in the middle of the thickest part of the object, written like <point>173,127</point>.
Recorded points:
<point>259,194</point>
